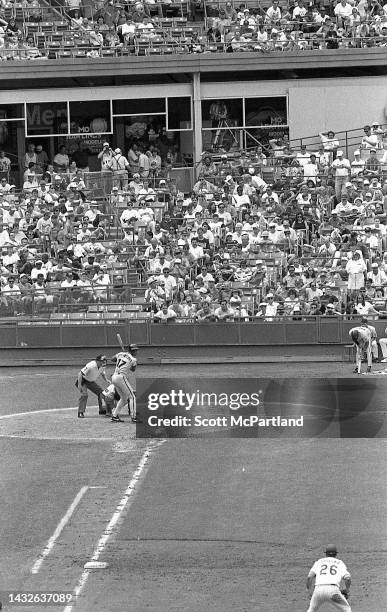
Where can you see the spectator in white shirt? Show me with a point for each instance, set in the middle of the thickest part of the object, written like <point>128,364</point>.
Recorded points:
<point>196,250</point>
<point>378,277</point>
<point>168,282</point>
<point>311,169</point>
<point>370,140</point>
<point>342,169</point>
<point>342,10</point>
<point>329,142</point>
<point>166,313</point>
<point>37,270</point>
<point>303,156</point>
<point>358,164</point>
<point>271,307</point>
<point>273,13</point>
<point>105,156</point>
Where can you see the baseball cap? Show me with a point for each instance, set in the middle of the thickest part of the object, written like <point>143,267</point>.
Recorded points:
<point>339,153</point>
<point>101,358</point>
<point>373,150</point>
<point>331,549</point>
<point>374,265</point>
<point>133,347</point>
<point>118,150</point>
<point>357,152</point>
<point>106,144</point>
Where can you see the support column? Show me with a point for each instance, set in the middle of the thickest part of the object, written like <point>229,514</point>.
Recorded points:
<point>197,122</point>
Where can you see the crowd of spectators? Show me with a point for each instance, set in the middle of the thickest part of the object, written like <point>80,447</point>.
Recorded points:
<point>311,242</point>
<point>299,25</point>
<point>136,28</point>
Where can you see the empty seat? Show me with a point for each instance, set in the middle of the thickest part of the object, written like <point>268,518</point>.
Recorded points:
<point>166,23</point>
<point>61,26</point>
<point>128,315</point>
<point>56,36</point>
<point>76,315</point>
<point>64,54</point>
<point>111,315</point>
<point>47,26</point>
<point>108,52</point>
<point>94,315</point>
<point>32,28</point>
<point>138,299</point>
<point>58,316</point>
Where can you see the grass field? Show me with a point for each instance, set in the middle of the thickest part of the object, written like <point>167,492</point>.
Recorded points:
<point>209,524</point>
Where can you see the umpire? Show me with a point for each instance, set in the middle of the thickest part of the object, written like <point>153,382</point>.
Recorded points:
<point>87,379</point>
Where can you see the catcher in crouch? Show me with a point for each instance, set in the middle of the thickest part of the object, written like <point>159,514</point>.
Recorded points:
<point>362,337</point>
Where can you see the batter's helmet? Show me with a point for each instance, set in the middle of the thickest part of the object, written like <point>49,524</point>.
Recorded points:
<point>133,347</point>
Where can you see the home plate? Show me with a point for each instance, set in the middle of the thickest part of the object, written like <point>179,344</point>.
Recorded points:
<point>95,565</point>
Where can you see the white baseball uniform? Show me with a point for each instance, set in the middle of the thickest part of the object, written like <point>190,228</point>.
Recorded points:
<point>125,362</point>
<point>363,343</point>
<point>329,573</point>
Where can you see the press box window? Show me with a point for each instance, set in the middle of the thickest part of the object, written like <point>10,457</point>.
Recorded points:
<point>46,118</point>
<point>265,111</point>
<point>139,107</point>
<point>91,117</point>
<point>11,111</point>
<point>179,114</point>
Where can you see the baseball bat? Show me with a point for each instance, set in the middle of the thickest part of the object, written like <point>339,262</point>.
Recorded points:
<point>120,342</point>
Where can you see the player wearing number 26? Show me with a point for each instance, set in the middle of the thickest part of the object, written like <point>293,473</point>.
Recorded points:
<point>126,364</point>
<point>332,582</point>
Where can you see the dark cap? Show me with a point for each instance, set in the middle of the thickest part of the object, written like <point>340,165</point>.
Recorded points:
<point>331,549</point>
<point>101,358</point>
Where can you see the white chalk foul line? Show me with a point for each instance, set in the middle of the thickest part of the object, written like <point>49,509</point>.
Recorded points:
<point>123,505</point>
<point>30,412</point>
<point>61,525</point>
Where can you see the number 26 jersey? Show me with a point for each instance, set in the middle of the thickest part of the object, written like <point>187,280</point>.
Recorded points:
<point>329,570</point>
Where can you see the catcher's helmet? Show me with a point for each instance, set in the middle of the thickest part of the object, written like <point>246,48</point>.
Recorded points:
<point>133,347</point>
<point>331,550</point>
